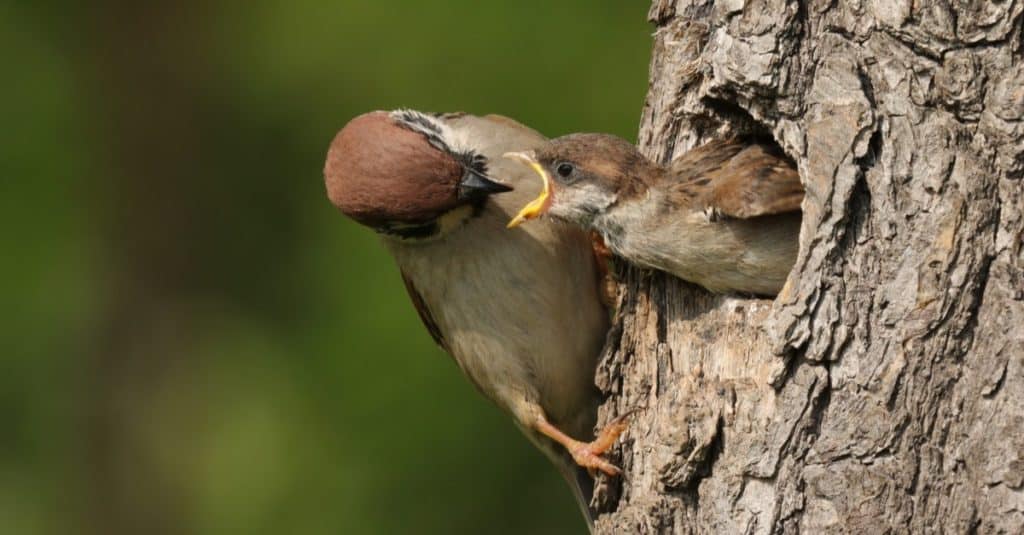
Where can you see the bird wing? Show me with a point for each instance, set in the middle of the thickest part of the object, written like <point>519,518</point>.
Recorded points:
<point>425,316</point>
<point>739,179</point>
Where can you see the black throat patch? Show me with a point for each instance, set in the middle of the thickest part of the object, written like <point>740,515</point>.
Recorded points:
<point>409,231</point>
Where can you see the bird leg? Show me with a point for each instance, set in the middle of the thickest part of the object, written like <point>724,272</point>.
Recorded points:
<point>588,454</point>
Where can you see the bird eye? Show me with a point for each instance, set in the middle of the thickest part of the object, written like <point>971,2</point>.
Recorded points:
<point>565,169</point>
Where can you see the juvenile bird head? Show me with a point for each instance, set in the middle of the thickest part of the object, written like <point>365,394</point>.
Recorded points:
<point>584,175</point>
<point>406,174</point>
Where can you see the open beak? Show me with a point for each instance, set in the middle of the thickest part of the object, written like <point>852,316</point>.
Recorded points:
<point>539,205</point>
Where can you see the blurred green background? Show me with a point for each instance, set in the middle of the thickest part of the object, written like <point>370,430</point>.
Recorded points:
<point>193,339</point>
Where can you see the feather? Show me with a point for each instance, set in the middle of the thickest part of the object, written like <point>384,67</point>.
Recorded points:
<point>424,313</point>
<point>738,179</point>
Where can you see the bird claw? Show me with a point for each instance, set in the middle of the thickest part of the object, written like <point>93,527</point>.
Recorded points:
<point>590,459</point>
<point>588,454</point>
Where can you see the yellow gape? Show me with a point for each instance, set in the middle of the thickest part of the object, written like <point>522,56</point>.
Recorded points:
<point>537,206</point>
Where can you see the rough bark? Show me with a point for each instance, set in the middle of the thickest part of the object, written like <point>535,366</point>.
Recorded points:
<point>883,390</point>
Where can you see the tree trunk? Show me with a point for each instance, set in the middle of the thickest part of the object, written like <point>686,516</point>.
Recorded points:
<point>883,390</point>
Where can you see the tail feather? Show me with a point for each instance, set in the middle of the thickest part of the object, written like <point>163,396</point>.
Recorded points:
<point>582,485</point>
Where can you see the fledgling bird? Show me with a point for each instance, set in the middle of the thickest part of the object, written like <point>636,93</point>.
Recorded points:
<point>725,215</point>
<point>518,311</point>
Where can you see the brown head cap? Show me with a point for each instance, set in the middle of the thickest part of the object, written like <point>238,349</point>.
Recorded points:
<point>378,171</point>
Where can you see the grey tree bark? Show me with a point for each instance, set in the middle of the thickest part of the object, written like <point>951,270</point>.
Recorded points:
<point>883,390</point>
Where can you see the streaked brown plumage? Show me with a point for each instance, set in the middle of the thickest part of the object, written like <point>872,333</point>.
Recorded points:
<point>736,178</point>
<point>725,215</point>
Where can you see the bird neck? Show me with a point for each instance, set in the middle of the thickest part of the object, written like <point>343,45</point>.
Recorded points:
<point>429,231</point>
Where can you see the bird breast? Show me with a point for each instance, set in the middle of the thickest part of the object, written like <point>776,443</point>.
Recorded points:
<point>723,255</point>
<point>518,309</point>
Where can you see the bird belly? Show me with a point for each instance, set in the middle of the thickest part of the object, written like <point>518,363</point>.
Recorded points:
<point>520,316</point>
<point>739,256</point>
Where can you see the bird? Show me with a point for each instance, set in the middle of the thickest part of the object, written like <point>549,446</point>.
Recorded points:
<point>725,215</point>
<point>520,313</point>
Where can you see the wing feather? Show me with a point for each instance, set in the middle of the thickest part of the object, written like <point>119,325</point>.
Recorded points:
<point>425,316</point>
<point>739,179</point>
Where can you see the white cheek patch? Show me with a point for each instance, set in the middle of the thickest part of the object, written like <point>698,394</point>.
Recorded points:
<point>593,197</point>
<point>453,219</point>
<point>582,201</point>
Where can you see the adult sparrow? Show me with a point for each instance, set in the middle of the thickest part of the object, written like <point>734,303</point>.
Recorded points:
<point>519,311</point>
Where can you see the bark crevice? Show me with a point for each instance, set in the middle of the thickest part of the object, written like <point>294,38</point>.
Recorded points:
<point>884,386</point>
